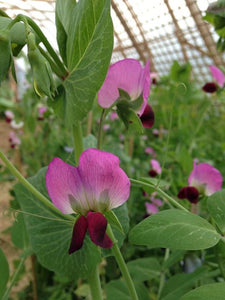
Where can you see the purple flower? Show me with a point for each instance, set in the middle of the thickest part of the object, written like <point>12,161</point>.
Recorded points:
<point>210,87</point>
<point>204,180</point>
<point>156,168</point>
<point>151,208</point>
<point>217,75</point>
<point>113,116</point>
<point>9,116</point>
<point>128,75</point>
<point>41,111</point>
<point>97,185</point>
<point>14,139</point>
<point>149,150</point>
<point>148,117</point>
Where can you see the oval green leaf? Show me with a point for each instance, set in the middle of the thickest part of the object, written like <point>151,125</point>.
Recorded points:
<point>214,291</point>
<point>174,229</point>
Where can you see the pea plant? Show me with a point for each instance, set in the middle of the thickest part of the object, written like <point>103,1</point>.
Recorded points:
<point>83,217</point>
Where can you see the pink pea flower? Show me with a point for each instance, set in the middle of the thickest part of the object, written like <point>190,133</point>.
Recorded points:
<point>128,75</point>
<point>14,139</point>
<point>156,168</point>
<point>151,208</point>
<point>97,185</point>
<point>113,116</point>
<point>154,77</point>
<point>41,111</point>
<point>106,127</point>
<point>217,75</point>
<point>149,150</point>
<point>204,180</point>
<point>9,116</point>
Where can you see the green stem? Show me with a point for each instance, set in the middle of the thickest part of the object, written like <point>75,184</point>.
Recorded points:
<point>15,275</point>
<point>99,143</point>
<point>162,277</point>
<point>122,265</point>
<point>31,188</point>
<point>95,285</point>
<point>78,141</point>
<point>161,192</point>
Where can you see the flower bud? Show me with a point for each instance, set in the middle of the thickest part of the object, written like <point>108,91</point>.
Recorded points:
<point>5,53</point>
<point>42,73</point>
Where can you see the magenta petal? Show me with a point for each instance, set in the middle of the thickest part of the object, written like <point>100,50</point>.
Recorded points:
<point>205,178</point>
<point>217,75</point>
<point>156,166</point>
<point>128,75</point>
<point>151,208</point>
<point>97,225</point>
<point>106,184</point>
<point>79,231</point>
<point>64,185</point>
<point>148,117</point>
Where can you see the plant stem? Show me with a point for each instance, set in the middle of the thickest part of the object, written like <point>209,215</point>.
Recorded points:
<point>99,143</point>
<point>78,141</point>
<point>161,192</point>
<point>122,265</point>
<point>162,277</point>
<point>95,285</point>
<point>31,188</point>
<point>15,275</point>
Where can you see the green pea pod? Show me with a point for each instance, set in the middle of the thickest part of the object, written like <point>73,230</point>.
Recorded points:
<point>5,53</point>
<point>41,69</point>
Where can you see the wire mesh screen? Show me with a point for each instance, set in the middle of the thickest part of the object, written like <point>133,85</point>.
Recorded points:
<point>160,31</point>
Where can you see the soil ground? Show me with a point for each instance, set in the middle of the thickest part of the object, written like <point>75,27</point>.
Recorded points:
<point>6,218</point>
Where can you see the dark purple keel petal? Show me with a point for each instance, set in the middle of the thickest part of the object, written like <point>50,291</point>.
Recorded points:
<point>97,225</point>
<point>148,117</point>
<point>210,87</point>
<point>79,231</point>
<point>190,193</point>
<point>152,173</point>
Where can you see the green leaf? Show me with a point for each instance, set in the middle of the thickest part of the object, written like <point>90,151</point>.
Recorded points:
<point>143,269</point>
<point>116,289</point>
<point>50,235</point>
<point>4,267</point>
<point>216,207</point>
<point>90,141</point>
<point>214,291</point>
<point>175,229</point>
<point>179,284</point>
<point>63,13</point>
<point>18,232</point>
<point>113,220</point>
<point>89,48</point>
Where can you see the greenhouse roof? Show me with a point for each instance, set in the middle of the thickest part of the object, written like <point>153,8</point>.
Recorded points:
<point>160,31</point>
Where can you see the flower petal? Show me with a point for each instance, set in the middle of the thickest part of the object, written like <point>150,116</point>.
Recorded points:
<point>79,231</point>
<point>156,166</point>
<point>205,178</point>
<point>64,186</point>
<point>151,208</point>
<point>210,87</point>
<point>148,117</point>
<point>190,193</point>
<point>97,225</point>
<point>128,75</point>
<point>218,75</point>
<point>106,184</point>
